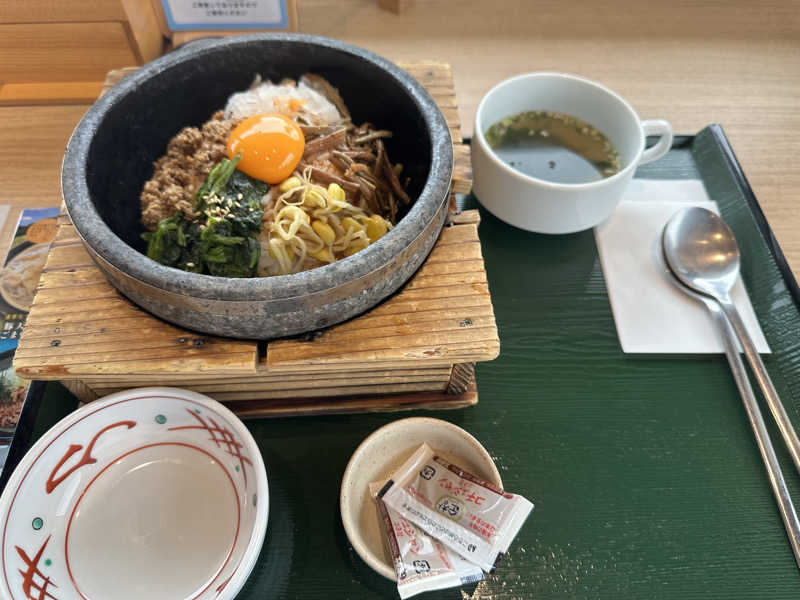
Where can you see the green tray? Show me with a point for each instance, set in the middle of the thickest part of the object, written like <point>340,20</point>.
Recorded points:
<point>644,472</point>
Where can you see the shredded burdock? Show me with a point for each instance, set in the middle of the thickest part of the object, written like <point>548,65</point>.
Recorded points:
<point>355,158</point>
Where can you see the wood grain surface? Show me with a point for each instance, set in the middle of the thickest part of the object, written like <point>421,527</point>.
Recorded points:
<point>59,11</point>
<point>52,52</point>
<point>80,328</point>
<point>32,142</point>
<point>84,333</point>
<point>51,93</point>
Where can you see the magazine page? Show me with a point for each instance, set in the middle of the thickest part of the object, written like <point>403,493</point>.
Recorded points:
<point>18,280</point>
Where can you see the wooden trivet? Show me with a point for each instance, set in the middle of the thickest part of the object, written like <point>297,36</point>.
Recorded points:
<point>417,349</point>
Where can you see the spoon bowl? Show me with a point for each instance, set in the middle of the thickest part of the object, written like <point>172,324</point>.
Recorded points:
<point>701,251</point>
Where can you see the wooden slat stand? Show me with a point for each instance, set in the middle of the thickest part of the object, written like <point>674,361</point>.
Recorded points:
<point>417,349</point>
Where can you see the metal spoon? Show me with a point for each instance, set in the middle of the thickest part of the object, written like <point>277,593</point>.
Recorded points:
<point>701,251</point>
<point>776,480</point>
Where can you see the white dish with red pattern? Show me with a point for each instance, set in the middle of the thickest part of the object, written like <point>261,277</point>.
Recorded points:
<point>156,493</point>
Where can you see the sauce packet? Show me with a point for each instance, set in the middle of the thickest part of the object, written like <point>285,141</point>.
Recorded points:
<point>473,517</point>
<point>422,563</point>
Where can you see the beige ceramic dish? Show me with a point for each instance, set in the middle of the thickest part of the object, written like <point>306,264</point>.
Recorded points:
<point>383,452</point>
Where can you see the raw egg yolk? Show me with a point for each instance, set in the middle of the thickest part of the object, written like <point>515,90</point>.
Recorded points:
<point>271,146</point>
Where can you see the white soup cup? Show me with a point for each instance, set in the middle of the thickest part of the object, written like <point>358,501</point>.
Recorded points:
<point>544,206</point>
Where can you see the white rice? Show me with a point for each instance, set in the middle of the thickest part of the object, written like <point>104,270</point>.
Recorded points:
<point>268,97</point>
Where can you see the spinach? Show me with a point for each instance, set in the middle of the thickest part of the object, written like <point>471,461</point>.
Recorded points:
<point>222,238</point>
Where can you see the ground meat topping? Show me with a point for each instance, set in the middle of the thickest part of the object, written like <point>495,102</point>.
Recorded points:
<point>190,156</point>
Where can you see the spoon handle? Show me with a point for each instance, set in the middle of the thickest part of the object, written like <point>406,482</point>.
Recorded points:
<point>776,480</point>
<point>770,394</point>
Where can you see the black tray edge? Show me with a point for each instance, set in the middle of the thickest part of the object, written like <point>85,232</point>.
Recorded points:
<point>20,444</point>
<point>758,214</point>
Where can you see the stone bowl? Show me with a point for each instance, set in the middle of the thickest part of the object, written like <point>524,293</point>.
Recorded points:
<point>111,153</point>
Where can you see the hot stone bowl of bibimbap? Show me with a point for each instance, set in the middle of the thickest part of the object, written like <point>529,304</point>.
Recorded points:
<point>260,186</point>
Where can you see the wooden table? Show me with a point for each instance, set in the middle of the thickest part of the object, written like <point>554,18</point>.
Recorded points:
<point>734,62</point>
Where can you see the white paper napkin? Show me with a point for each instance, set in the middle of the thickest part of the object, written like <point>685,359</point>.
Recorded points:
<point>651,314</point>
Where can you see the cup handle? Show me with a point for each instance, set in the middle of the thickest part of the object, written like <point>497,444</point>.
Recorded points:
<point>661,128</point>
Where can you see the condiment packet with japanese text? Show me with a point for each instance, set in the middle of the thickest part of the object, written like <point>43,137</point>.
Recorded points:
<point>471,516</point>
<point>422,563</point>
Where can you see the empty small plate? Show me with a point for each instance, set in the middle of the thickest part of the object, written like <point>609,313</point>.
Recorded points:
<point>156,493</point>
<point>379,455</point>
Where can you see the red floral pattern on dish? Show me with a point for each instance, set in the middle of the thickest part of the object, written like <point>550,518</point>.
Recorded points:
<point>38,590</point>
<point>220,436</point>
<point>87,459</point>
<point>33,589</point>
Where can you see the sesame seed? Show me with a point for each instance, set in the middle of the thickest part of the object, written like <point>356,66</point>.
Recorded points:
<point>189,264</point>
<point>237,204</point>
<point>239,196</point>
